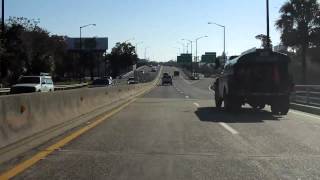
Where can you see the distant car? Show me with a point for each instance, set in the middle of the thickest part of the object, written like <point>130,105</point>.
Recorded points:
<point>166,79</point>
<point>102,82</point>
<point>132,80</point>
<point>29,84</point>
<point>176,73</point>
<point>109,78</point>
<point>195,77</point>
<point>153,69</point>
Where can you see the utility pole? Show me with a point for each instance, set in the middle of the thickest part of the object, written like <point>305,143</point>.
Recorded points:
<point>2,18</point>
<point>268,30</point>
<point>2,36</point>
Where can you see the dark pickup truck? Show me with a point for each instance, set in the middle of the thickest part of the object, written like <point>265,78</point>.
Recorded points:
<point>259,77</point>
<point>176,73</point>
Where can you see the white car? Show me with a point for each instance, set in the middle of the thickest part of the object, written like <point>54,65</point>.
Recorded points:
<point>28,84</point>
<point>132,80</point>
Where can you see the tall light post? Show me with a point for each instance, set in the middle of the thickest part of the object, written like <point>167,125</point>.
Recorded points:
<point>178,49</point>
<point>2,36</point>
<point>189,42</point>
<point>191,54</point>
<point>138,43</point>
<point>2,17</point>
<point>224,38</point>
<point>197,48</point>
<point>81,27</point>
<point>268,29</point>
<point>145,52</point>
<point>183,46</point>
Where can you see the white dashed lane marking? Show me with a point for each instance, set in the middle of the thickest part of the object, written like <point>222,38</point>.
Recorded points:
<point>228,128</point>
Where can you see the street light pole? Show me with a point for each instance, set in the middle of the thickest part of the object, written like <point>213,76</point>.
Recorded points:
<point>224,38</point>
<point>145,53</point>
<point>2,36</point>
<point>137,46</point>
<point>80,39</point>
<point>183,46</point>
<point>197,48</point>
<point>178,49</point>
<point>81,33</point>
<point>191,54</point>
<point>2,17</point>
<point>268,29</point>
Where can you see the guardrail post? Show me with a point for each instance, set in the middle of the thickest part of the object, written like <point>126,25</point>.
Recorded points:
<point>308,95</point>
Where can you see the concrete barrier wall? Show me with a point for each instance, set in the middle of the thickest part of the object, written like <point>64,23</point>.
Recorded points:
<point>24,115</point>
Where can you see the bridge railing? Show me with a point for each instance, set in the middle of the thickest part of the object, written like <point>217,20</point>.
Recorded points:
<point>306,94</point>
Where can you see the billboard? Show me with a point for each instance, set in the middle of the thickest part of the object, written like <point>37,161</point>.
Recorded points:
<point>92,44</point>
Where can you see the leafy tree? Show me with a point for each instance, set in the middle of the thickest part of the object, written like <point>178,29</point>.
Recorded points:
<point>299,24</point>
<point>30,49</point>
<point>14,60</point>
<point>265,40</point>
<point>122,56</point>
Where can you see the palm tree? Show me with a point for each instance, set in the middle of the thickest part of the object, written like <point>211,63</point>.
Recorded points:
<point>298,22</point>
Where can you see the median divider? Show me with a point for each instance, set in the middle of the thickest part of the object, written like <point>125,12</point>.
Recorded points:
<point>28,120</point>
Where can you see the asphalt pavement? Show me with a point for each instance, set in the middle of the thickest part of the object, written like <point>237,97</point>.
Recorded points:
<point>175,132</point>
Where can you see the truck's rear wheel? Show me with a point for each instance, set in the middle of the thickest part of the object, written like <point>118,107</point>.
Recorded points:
<point>281,107</point>
<point>218,102</point>
<point>284,106</point>
<point>275,109</point>
<point>231,104</point>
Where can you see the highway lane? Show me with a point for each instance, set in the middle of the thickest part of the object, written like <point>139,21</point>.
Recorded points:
<point>149,75</point>
<point>175,132</point>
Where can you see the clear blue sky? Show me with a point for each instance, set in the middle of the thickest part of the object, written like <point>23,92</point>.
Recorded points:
<point>158,23</point>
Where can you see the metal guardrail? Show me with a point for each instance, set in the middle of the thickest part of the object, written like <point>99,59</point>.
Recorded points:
<point>6,91</point>
<point>307,94</point>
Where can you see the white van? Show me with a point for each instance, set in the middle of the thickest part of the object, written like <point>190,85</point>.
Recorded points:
<point>28,84</point>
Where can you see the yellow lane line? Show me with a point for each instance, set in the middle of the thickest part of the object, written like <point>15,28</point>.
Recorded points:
<point>19,168</point>
<point>42,154</point>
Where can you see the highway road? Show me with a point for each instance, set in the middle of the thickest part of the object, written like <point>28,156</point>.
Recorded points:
<point>147,76</point>
<point>175,132</point>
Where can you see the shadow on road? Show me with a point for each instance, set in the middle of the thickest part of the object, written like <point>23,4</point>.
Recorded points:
<point>246,115</point>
